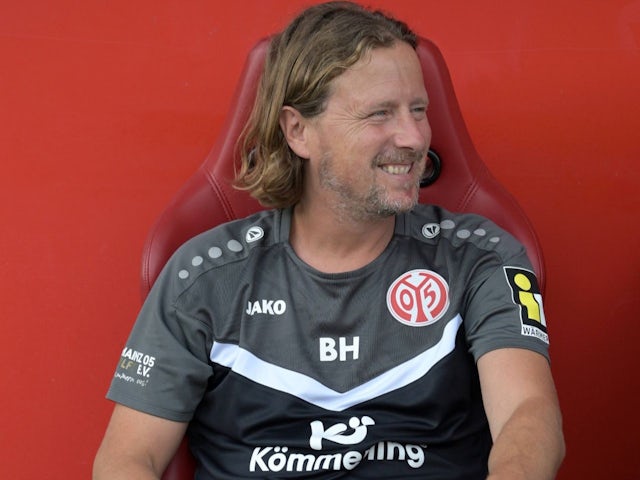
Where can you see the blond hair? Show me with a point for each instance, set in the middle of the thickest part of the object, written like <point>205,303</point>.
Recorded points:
<point>316,47</point>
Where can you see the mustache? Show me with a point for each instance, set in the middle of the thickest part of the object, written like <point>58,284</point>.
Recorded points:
<point>397,155</point>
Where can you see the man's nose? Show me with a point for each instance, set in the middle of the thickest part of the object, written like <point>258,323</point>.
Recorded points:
<point>413,133</point>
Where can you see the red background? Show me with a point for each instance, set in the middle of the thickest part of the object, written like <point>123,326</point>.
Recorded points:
<point>107,107</point>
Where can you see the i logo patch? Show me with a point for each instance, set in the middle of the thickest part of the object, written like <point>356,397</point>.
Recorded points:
<point>418,298</point>
<point>526,294</point>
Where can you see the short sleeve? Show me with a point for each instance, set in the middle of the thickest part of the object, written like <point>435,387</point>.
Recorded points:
<point>504,309</point>
<point>164,368</point>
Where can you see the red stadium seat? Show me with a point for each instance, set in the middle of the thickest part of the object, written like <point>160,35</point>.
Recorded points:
<point>207,199</point>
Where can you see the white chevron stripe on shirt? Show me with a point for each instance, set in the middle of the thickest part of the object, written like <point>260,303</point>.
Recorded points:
<point>244,363</point>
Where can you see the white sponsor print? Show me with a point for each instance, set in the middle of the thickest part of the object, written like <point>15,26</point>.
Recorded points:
<point>267,307</point>
<point>280,459</point>
<point>135,362</point>
<point>535,332</point>
<point>336,432</point>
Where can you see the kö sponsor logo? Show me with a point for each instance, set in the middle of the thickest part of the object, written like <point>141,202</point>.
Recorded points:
<point>280,459</point>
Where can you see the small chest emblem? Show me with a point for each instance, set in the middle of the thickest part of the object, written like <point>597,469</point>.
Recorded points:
<point>430,230</point>
<point>254,234</point>
<point>418,298</point>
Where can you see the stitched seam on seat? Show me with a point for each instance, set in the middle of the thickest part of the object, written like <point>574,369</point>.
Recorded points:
<point>219,193</point>
<point>469,193</point>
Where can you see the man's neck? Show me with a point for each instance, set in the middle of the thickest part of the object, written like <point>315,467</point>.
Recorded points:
<point>332,244</point>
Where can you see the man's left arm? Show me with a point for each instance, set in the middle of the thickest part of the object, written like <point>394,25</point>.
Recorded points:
<point>524,415</point>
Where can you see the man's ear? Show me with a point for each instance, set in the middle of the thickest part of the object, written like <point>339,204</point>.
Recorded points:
<point>295,130</point>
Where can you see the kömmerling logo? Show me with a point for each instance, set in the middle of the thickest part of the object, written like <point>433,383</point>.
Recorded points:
<point>280,459</point>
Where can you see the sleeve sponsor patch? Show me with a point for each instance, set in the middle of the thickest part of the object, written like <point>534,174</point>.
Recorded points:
<point>526,294</point>
<point>135,367</point>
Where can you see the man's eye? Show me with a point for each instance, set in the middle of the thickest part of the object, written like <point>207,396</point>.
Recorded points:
<point>380,113</point>
<point>419,112</point>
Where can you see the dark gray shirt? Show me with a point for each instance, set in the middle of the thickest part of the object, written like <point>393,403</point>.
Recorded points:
<point>288,372</point>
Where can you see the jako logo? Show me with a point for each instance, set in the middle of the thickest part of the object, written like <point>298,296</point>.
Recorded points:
<point>336,433</point>
<point>254,234</point>
<point>430,230</point>
<point>418,298</point>
<point>267,307</point>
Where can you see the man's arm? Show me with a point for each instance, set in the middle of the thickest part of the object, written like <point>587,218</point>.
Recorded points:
<point>524,416</point>
<point>136,445</point>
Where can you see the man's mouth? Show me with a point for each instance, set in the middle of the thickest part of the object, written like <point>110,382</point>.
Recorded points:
<point>396,169</point>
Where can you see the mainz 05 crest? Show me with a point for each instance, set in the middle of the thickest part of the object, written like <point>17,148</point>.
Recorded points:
<point>418,298</point>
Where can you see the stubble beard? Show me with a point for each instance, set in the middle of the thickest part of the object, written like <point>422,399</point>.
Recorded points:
<point>375,204</point>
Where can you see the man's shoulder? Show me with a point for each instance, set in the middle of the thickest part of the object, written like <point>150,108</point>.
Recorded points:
<point>433,224</point>
<point>222,245</point>
<point>237,235</point>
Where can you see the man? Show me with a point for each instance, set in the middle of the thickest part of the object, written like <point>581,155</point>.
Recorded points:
<point>330,337</point>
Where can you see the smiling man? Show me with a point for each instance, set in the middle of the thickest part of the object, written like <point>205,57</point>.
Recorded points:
<point>347,332</point>
<point>368,147</point>
<point>364,156</point>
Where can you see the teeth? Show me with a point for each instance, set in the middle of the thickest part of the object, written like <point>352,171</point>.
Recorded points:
<point>396,169</point>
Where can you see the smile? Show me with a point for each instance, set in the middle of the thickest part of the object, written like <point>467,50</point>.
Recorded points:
<point>396,169</point>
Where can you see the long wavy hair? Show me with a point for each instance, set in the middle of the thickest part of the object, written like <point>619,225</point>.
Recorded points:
<point>316,47</point>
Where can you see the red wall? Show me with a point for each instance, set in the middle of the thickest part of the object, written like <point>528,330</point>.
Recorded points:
<point>107,107</point>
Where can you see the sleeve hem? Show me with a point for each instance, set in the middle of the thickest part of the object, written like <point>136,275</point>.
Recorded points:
<point>151,409</point>
<point>542,350</point>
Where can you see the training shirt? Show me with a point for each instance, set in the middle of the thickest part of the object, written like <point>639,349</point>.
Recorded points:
<point>288,372</point>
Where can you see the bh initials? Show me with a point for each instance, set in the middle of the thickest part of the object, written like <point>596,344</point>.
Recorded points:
<point>330,350</point>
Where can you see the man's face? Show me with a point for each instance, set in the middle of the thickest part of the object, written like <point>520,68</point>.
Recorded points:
<point>368,148</point>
